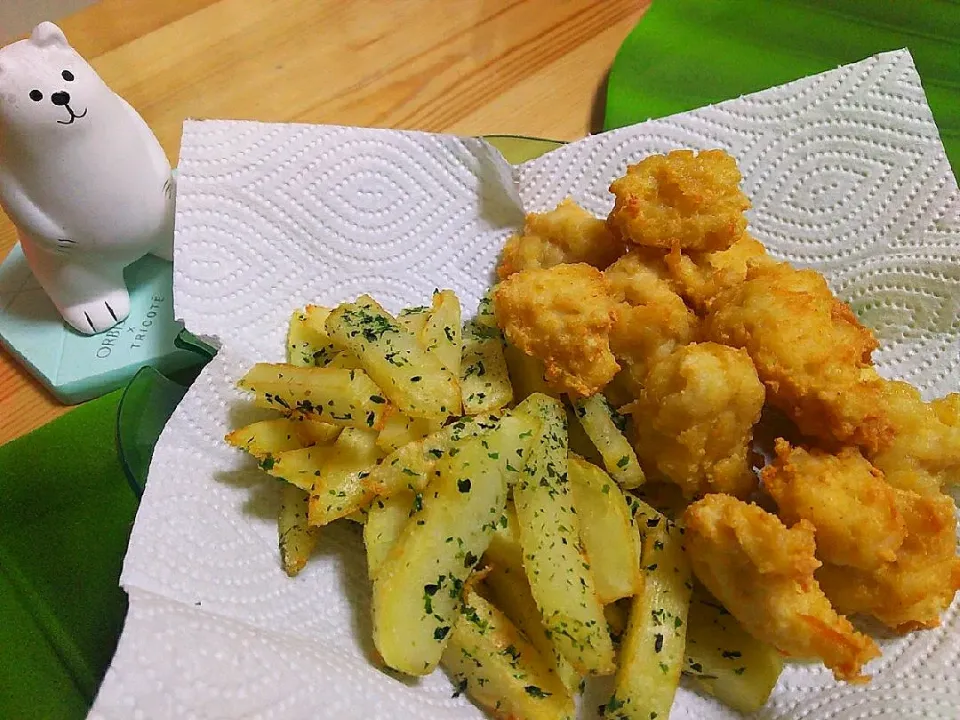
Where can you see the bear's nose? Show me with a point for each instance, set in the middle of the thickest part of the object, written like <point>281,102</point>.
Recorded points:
<point>60,98</point>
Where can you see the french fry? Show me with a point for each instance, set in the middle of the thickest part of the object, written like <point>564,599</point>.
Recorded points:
<point>339,490</point>
<point>412,465</point>
<point>441,333</point>
<point>413,318</point>
<point>605,427</point>
<point>307,341</point>
<point>559,575</point>
<point>385,521</point>
<point>297,539</point>
<point>413,379</point>
<point>491,661</point>
<point>417,587</point>
<point>300,467</point>
<point>484,378</point>
<point>341,397</point>
<point>526,374</point>
<point>609,537</point>
<point>724,660</point>
<point>400,430</point>
<point>343,360</point>
<point>268,438</point>
<point>510,592</point>
<point>651,652</point>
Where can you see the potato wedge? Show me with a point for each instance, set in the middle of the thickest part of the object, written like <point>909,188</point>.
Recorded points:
<point>385,521</point>
<point>491,661</point>
<point>556,568</point>
<point>526,374</point>
<point>724,660</point>
<point>400,430</point>
<point>268,438</point>
<point>344,360</point>
<point>412,319</point>
<point>610,539</point>
<point>441,333</point>
<point>510,592</point>
<point>416,593</point>
<point>301,467</point>
<point>412,465</point>
<point>297,539</point>
<point>605,427</point>
<point>307,341</point>
<point>341,397</point>
<point>484,378</point>
<point>651,652</point>
<point>339,490</point>
<point>413,379</point>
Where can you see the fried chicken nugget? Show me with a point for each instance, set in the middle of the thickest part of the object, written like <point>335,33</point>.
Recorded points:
<point>924,455</point>
<point>700,276</point>
<point>762,572</point>
<point>567,234</point>
<point>561,315</point>
<point>681,199</point>
<point>846,499</point>
<point>911,592</point>
<point>650,320</point>
<point>810,351</point>
<point>694,418</point>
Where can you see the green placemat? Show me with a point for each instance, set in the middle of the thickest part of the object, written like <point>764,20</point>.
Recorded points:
<point>688,53</point>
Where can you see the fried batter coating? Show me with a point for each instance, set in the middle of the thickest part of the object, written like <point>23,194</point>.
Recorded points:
<point>567,234</point>
<point>562,316</point>
<point>910,593</point>
<point>762,572</point>
<point>810,351</point>
<point>846,499</point>
<point>925,453</point>
<point>650,320</point>
<point>694,418</point>
<point>700,276</point>
<point>681,199</point>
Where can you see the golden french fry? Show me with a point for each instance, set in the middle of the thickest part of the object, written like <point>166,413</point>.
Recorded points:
<point>440,334</point>
<point>400,430</point>
<point>385,521</point>
<point>609,537</point>
<point>339,490</point>
<point>417,587</point>
<point>268,438</point>
<point>307,341</point>
<point>413,379</point>
<point>652,651</point>
<point>297,539</point>
<point>605,427</point>
<point>341,397</point>
<point>559,575</point>
<point>724,660</point>
<point>510,592</point>
<point>484,378</point>
<point>491,661</point>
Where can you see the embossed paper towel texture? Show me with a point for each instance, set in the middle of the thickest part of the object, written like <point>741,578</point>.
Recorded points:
<point>846,173</point>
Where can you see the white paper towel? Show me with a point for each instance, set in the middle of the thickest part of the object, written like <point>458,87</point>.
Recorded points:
<point>846,173</point>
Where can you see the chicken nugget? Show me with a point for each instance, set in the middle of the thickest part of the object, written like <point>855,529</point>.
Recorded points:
<point>681,199</point>
<point>694,417</point>
<point>650,321</point>
<point>810,351</point>
<point>700,276</point>
<point>924,454</point>
<point>846,499</point>
<point>763,573</point>
<point>567,234</point>
<point>562,316</point>
<point>911,592</point>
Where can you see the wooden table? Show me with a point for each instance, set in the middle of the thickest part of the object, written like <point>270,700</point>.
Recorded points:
<point>526,67</point>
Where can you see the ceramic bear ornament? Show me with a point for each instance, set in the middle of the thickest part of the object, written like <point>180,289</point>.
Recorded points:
<point>82,177</point>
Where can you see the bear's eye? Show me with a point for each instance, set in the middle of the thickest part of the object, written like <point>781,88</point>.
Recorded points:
<point>36,95</point>
<point>67,75</point>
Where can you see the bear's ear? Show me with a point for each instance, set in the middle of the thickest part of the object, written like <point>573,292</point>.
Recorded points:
<point>47,34</point>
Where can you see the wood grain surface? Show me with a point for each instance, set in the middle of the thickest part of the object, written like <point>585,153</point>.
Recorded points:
<point>526,67</point>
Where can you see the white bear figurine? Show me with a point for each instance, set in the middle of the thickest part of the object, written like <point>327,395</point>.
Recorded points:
<point>82,177</point>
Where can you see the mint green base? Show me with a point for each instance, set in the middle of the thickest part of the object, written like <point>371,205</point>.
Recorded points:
<point>77,367</point>
<point>688,53</point>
